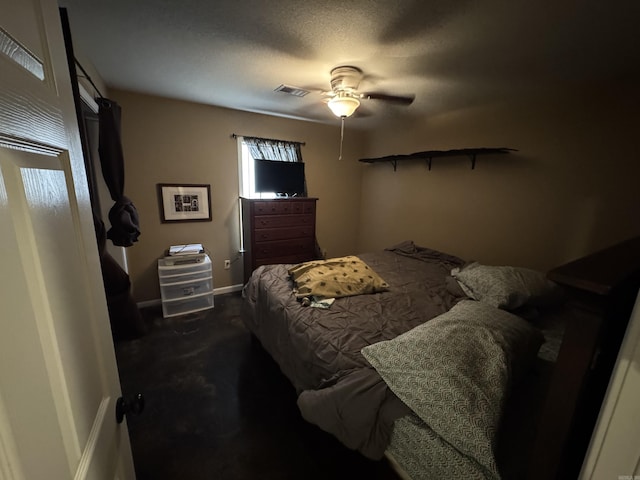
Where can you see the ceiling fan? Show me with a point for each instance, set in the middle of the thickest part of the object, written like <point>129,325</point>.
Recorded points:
<point>345,97</point>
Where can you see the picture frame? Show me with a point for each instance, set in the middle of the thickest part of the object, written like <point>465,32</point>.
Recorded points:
<point>181,202</point>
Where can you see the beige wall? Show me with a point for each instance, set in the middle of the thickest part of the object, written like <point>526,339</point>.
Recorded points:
<point>569,190</point>
<point>572,187</point>
<point>170,141</point>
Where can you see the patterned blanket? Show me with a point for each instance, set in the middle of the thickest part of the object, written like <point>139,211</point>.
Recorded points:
<point>454,373</point>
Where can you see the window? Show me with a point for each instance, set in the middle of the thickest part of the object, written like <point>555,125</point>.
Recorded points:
<point>278,150</point>
<point>267,149</point>
<point>247,174</point>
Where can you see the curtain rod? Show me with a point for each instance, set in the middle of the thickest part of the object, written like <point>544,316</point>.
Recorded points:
<point>88,78</point>
<point>235,135</point>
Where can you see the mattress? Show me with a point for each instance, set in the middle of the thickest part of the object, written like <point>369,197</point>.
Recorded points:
<point>320,352</point>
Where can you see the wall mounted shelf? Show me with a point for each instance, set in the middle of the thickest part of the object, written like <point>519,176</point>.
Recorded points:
<point>428,155</point>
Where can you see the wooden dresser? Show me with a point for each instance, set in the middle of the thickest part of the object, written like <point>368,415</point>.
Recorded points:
<point>281,230</point>
<point>601,290</point>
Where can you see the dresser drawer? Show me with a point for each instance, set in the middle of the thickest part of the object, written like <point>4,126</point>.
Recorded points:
<point>275,221</point>
<point>270,234</point>
<point>276,207</point>
<point>289,259</point>
<point>284,248</point>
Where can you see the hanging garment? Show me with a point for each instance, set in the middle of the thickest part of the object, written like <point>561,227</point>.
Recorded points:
<point>125,227</point>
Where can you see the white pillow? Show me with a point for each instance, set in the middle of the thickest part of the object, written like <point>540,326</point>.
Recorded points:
<point>506,287</point>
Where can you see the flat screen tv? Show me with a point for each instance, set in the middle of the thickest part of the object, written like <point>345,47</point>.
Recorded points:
<point>284,178</point>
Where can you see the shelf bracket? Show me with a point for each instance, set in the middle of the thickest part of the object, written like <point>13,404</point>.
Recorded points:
<point>395,164</point>
<point>429,162</point>
<point>473,161</point>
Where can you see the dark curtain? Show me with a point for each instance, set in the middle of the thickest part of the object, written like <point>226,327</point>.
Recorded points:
<point>126,320</point>
<point>274,149</point>
<point>125,228</point>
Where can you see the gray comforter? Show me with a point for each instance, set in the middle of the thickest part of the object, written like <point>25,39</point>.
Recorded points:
<point>320,350</point>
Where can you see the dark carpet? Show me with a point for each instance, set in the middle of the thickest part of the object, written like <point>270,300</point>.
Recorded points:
<point>218,407</point>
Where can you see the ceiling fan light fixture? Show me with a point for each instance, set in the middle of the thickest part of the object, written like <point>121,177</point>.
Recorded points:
<point>343,105</point>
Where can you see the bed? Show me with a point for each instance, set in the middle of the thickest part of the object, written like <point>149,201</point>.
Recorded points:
<point>421,357</point>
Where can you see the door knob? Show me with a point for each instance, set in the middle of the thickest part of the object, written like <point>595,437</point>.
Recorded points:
<point>133,405</point>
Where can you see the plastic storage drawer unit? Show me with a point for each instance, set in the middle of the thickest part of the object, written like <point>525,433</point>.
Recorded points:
<point>189,288</point>
<point>182,306</point>
<point>185,287</point>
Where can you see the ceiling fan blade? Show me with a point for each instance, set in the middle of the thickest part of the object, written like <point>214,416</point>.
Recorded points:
<point>400,99</point>
<point>362,112</point>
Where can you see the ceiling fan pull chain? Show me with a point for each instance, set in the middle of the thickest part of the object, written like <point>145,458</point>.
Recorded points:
<point>341,137</point>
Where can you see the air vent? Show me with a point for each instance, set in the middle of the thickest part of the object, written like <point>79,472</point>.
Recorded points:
<point>295,91</point>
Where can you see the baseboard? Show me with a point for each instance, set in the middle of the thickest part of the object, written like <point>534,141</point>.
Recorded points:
<point>228,289</point>
<point>149,303</point>
<point>216,291</point>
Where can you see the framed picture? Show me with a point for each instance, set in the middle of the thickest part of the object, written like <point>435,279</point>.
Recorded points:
<point>184,202</point>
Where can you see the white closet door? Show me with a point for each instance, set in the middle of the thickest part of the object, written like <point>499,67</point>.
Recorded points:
<point>58,376</point>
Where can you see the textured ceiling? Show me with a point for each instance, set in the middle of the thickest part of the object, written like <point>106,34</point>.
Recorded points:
<point>450,54</point>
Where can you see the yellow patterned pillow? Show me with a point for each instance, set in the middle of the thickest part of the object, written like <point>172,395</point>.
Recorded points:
<point>335,277</point>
